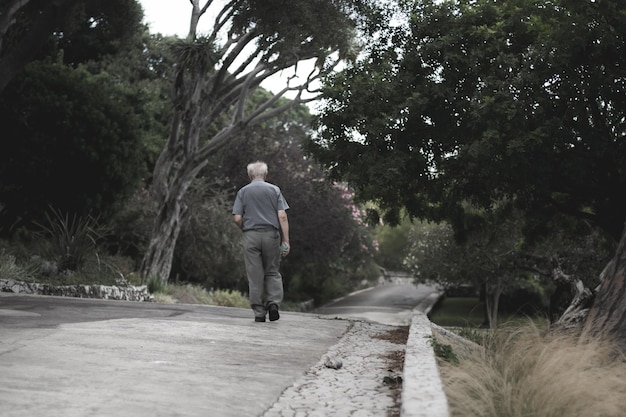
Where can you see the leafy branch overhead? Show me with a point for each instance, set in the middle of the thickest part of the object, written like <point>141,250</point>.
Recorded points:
<point>251,41</point>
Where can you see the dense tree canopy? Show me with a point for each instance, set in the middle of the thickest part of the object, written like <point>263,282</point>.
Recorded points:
<point>78,118</point>
<point>481,101</point>
<point>84,29</point>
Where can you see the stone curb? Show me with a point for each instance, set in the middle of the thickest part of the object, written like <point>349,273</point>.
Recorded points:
<point>422,389</point>
<point>129,293</point>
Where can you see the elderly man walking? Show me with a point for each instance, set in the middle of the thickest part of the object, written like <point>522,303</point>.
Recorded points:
<point>260,212</point>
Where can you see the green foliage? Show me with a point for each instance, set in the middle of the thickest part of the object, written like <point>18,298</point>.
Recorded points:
<point>444,352</point>
<point>198,55</point>
<point>97,269</point>
<point>208,251</point>
<point>33,258</point>
<point>71,238</point>
<point>229,298</point>
<point>72,140</point>
<point>155,285</point>
<point>10,270</point>
<point>98,29</point>
<point>71,31</point>
<point>483,101</point>
<point>131,225</point>
<point>393,244</point>
<point>434,255</point>
<point>478,336</point>
<point>490,257</point>
<point>303,25</point>
<point>195,294</point>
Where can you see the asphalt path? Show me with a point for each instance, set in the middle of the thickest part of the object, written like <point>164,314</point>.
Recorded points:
<point>390,304</point>
<point>72,357</point>
<point>86,357</point>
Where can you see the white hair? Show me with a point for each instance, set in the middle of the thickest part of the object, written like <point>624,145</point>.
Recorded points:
<point>257,169</point>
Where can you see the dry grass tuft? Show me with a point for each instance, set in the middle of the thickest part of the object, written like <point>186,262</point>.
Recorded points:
<point>195,294</point>
<point>528,373</point>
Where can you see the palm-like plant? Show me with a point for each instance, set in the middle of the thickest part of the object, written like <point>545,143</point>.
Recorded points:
<point>72,238</point>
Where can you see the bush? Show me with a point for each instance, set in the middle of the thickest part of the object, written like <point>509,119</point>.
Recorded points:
<point>71,239</point>
<point>393,244</point>
<point>10,270</point>
<point>195,294</point>
<point>230,299</point>
<point>208,251</point>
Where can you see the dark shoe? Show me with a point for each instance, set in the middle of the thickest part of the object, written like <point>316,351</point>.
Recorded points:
<point>273,310</point>
<point>260,319</point>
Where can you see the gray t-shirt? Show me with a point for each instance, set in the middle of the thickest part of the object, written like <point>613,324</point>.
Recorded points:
<point>259,203</point>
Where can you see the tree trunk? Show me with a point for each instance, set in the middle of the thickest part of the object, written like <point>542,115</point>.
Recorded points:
<point>492,308</point>
<point>157,261</point>
<point>578,295</point>
<point>578,309</point>
<point>607,316</point>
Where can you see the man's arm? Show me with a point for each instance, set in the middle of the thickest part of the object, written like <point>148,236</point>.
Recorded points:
<point>284,228</point>
<point>238,218</point>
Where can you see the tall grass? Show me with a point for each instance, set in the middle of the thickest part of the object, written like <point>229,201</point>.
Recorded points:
<point>529,373</point>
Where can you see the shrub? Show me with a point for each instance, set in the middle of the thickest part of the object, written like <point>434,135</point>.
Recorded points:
<point>195,294</point>
<point>228,298</point>
<point>155,285</point>
<point>10,270</point>
<point>71,239</point>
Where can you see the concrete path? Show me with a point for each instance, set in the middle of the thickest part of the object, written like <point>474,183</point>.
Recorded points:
<point>77,357</point>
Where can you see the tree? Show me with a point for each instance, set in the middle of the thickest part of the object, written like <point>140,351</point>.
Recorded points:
<point>490,258</point>
<point>24,28</point>
<point>87,29</point>
<point>607,315</point>
<point>481,101</point>
<point>99,29</point>
<point>215,77</point>
<point>393,243</point>
<point>485,101</point>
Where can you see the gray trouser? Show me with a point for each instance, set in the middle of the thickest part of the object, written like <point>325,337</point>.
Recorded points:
<point>261,252</point>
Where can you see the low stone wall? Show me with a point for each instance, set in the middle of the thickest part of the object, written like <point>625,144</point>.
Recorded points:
<point>130,293</point>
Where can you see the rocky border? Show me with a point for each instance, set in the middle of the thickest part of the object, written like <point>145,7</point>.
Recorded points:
<point>105,292</point>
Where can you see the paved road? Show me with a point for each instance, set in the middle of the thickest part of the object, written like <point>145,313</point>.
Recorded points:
<point>390,304</point>
<point>77,357</point>
<point>71,357</point>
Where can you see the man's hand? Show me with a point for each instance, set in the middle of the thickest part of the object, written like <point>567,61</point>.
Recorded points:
<point>284,249</point>
<point>238,220</point>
